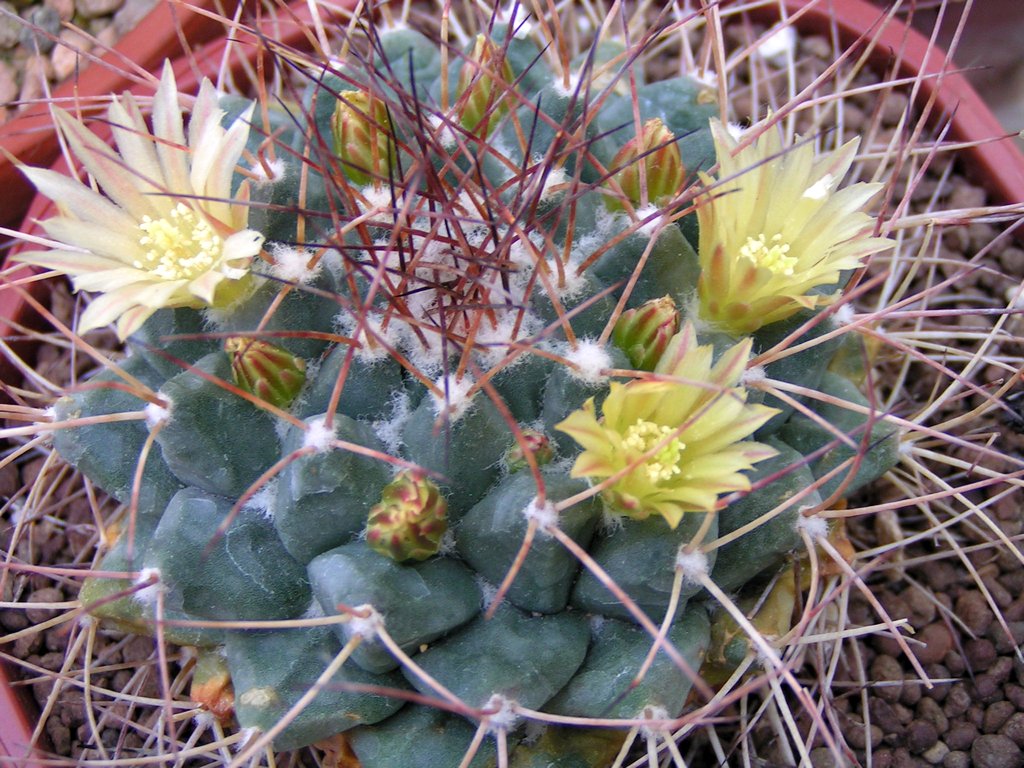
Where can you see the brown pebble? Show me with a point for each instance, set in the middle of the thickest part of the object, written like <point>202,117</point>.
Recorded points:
<point>887,675</point>
<point>884,716</point>
<point>960,735</point>
<point>986,689</point>
<point>922,607</point>
<point>929,709</point>
<point>955,663</point>
<point>921,735</point>
<point>937,643</point>
<point>957,702</point>
<point>1002,669</point>
<point>60,736</point>
<point>979,654</point>
<point>1013,728</point>
<point>46,595</point>
<point>1015,694</point>
<point>956,759</point>
<point>974,612</point>
<point>936,753</point>
<point>938,691</point>
<point>996,715</point>
<point>993,750</point>
<point>912,690</point>
<point>1009,643</point>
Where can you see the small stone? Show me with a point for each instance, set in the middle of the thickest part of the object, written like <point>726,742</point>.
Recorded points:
<point>912,690</point>
<point>996,715</point>
<point>979,654</point>
<point>10,26</point>
<point>921,735</point>
<point>960,735</point>
<point>1011,259</point>
<point>936,753</point>
<point>987,689</point>
<point>937,643</point>
<point>884,716</point>
<point>938,691</point>
<point>957,759</point>
<point>8,86</point>
<point>67,56</point>
<point>1014,694</point>
<point>818,47</point>
<point>91,9</point>
<point>1013,728</point>
<point>894,107</point>
<point>40,30</point>
<point>967,196</point>
<point>929,709</point>
<point>46,595</point>
<point>64,8</point>
<point>36,71</point>
<point>1002,669</point>
<point>131,13</point>
<point>60,736</point>
<point>958,701</point>
<point>887,674</point>
<point>995,751</point>
<point>922,607</point>
<point>974,612</point>
<point>822,757</point>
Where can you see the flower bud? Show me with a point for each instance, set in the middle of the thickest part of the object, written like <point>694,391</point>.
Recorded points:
<point>657,152</point>
<point>643,333</point>
<point>533,442</point>
<point>479,93</point>
<point>410,519</point>
<point>362,137</point>
<point>265,370</point>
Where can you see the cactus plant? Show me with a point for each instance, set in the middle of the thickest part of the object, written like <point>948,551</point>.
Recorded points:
<point>470,424</point>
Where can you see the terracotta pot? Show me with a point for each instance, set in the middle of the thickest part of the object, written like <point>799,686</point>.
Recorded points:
<point>994,159</point>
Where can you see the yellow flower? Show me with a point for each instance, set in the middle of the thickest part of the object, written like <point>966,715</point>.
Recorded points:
<point>674,444</point>
<point>166,231</point>
<point>776,228</point>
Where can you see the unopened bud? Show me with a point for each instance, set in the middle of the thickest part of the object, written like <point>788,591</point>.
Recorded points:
<point>265,370</point>
<point>534,442</point>
<point>655,152</point>
<point>410,519</point>
<point>480,93</point>
<point>362,137</point>
<point>644,333</point>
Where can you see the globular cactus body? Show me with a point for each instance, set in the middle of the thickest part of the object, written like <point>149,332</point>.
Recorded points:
<point>462,324</point>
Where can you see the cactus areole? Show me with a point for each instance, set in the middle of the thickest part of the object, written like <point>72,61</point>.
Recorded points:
<point>477,368</point>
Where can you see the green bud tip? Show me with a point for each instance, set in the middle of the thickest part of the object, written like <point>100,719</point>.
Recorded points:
<point>655,153</point>
<point>534,442</point>
<point>644,332</point>
<point>266,370</point>
<point>480,94</point>
<point>410,519</point>
<point>362,135</point>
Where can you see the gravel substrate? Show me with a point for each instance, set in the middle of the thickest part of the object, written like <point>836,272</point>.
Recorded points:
<point>42,44</point>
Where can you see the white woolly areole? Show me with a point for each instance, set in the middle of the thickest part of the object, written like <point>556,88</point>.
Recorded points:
<point>148,595</point>
<point>203,719</point>
<point>268,171</point>
<point>753,375</point>
<point>779,45</point>
<point>367,627</point>
<point>589,359</point>
<point>291,264</point>
<point>820,189</point>
<point>262,502</point>
<point>816,527</point>
<point>556,177</point>
<point>157,414</point>
<point>693,566</point>
<point>318,436</point>
<point>652,227</point>
<point>545,514</point>
<point>442,131</point>
<point>454,399</point>
<point>504,717</point>
<point>735,130</point>
<point>376,199</point>
<point>654,713</point>
<point>844,314</point>
<point>559,86</point>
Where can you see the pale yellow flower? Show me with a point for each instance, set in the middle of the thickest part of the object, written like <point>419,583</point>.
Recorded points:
<point>776,228</point>
<point>673,444</point>
<point>166,231</point>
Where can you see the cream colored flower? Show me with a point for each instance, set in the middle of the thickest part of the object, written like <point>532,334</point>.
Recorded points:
<point>776,229</point>
<point>166,232</point>
<point>672,445</point>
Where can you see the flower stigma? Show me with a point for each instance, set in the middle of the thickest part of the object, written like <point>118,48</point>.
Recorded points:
<point>181,246</point>
<point>645,435</point>
<point>771,254</point>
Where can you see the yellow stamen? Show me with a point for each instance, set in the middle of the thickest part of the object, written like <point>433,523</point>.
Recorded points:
<point>770,254</point>
<point>181,246</point>
<point>643,436</point>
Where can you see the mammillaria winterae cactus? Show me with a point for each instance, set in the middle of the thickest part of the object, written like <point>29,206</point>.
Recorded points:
<point>458,406</point>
